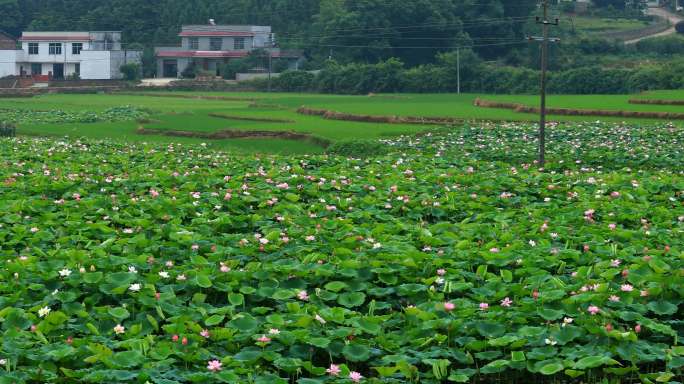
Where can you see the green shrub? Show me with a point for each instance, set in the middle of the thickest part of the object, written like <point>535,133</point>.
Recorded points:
<point>294,81</point>
<point>358,79</point>
<point>680,27</point>
<point>590,80</point>
<point>130,71</point>
<point>190,72</point>
<point>426,79</point>
<point>233,67</point>
<point>666,45</point>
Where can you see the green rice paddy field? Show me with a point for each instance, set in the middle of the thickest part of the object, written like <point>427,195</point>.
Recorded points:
<point>187,112</point>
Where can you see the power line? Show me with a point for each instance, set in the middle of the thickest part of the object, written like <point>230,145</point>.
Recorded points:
<point>413,47</point>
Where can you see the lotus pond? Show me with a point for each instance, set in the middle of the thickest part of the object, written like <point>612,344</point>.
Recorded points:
<point>450,258</point>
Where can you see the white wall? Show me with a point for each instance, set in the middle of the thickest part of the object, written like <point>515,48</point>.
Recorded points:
<point>8,66</point>
<point>44,56</point>
<point>95,65</point>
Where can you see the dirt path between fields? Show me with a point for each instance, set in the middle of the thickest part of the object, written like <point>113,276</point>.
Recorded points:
<point>672,18</point>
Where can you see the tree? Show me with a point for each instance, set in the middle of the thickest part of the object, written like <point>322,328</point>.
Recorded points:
<point>680,27</point>
<point>130,71</point>
<point>617,4</point>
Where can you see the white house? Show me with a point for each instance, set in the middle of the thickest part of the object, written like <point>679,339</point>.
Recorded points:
<point>209,47</point>
<point>59,55</point>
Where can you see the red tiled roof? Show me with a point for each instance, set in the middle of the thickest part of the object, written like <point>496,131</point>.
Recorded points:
<point>202,54</point>
<point>219,54</point>
<point>216,33</point>
<point>53,38</point>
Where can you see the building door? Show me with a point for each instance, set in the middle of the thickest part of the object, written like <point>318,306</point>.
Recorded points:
<point>58,71</point>
<point>36,69</point>
<point>170,68</point>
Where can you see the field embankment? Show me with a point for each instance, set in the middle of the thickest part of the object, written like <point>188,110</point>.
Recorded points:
<point>520,108</point>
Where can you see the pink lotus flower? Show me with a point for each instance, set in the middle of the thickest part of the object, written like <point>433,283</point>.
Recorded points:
<point>614,298</point>
<point>506,302</point>
<point>612,226</point>
<point>264,339</point>
<point>593,309</point>
<point>484,306</point>
<point>615,263</point>
<point>205,333</point>
<point>355,376</point>
<point>154,193</point>
<point>441,272</point>
<point>302,295</point>
<point>644,293</point>
<point>334,370</point>
<point>615,194</point>
<point>449,306</point>
<point>194,247</point>
<point>626,288</point>
<point>637,328</point>
<point>214,365</point>
<point>494,250</point>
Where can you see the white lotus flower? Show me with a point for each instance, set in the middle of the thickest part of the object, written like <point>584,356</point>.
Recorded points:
<point>65,272</point>
<point>44,311</point>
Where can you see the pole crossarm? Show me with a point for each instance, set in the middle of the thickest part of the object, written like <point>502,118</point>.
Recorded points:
<point>539,38</point>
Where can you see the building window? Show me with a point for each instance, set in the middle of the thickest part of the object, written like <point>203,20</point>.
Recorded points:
<point>193,43</point>
<point>36,69</point>
<point>33,48</point>
<point>216,44</point>
<point>55,48</point>
<point>77,69</point>
<point>239,43</point>
<point>76,48</point>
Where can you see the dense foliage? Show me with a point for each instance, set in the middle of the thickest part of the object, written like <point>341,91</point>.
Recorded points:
<point>131,71</point>
<point>478,77</point>
<point>354,30</point>
<point>451,257</point>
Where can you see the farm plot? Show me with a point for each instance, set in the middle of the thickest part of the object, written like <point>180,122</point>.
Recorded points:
<point>450,258</point>
<point>277,123</point>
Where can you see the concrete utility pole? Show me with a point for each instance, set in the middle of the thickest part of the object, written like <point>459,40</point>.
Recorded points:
<point>271,45</point>
<point>544,61</point>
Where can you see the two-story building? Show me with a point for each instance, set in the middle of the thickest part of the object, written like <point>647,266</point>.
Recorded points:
<point>60,55</point>
<point>210,47</point>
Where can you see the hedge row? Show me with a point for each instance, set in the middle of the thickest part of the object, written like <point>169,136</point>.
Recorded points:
<point>391,76</point>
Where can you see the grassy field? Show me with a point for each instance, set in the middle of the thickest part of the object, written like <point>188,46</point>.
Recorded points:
<point>193,114</point>
<point>591,25</point>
